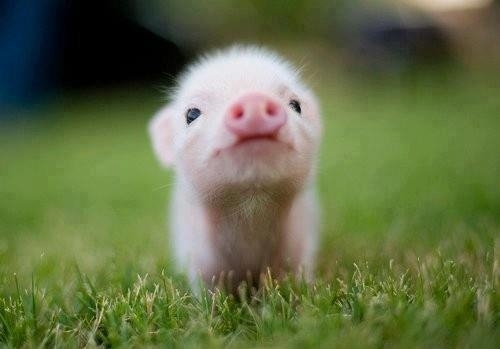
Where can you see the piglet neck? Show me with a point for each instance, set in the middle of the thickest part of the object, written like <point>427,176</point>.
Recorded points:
<point>254,207</point>
<point>248,227</point>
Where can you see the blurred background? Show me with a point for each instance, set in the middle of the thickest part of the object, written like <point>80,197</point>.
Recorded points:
<point>51,46</point>
<point>409,91</point>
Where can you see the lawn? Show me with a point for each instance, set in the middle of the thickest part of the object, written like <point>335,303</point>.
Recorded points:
<point>409,181</point>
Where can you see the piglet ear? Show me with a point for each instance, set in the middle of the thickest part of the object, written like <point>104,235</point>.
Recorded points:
<point>161,133</point>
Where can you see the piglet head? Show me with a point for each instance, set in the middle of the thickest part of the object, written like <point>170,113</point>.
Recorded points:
<point>239,119</point>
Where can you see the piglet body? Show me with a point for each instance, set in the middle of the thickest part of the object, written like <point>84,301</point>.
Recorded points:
<point>242,134</point>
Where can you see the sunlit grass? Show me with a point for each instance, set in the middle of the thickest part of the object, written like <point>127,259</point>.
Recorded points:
<point>409,184</point>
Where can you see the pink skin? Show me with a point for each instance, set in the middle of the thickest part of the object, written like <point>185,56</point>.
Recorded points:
<point>243,200</point>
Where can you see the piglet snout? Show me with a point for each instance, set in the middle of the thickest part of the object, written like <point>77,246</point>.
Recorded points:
<point>255,115</point>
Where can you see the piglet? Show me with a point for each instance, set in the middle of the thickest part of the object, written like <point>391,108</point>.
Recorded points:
<point>241,133</point>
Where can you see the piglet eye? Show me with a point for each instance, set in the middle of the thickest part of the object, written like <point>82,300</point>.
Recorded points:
<point>295,105</point>
<point>192,114</point>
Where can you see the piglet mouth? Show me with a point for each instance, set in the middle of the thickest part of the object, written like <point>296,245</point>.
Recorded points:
<point>270,141</point>
<point>255,142</point>
<point>254,138</point>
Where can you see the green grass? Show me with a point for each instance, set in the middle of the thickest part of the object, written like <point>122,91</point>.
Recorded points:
<point>409,181</point>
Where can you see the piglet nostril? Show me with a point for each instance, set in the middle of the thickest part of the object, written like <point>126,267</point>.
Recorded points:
<point>271,109</point>
<point>238,112</point>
